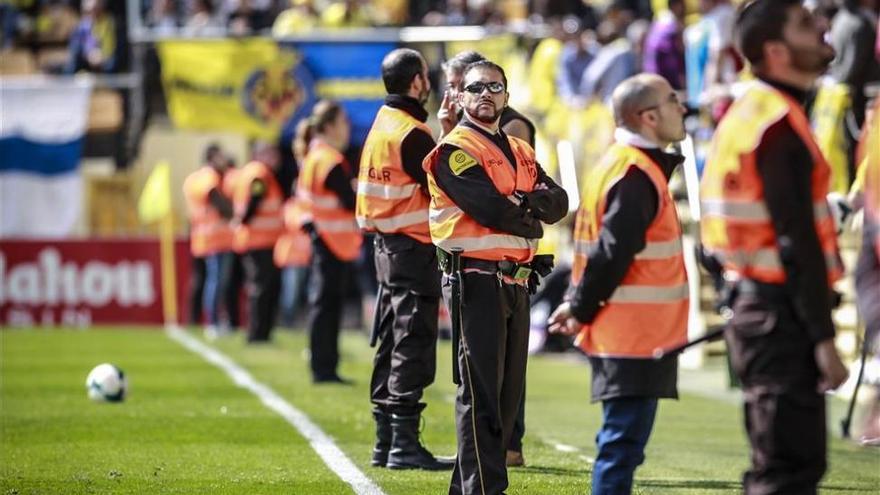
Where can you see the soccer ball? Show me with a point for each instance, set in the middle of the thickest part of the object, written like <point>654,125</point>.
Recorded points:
<point>106,383</point>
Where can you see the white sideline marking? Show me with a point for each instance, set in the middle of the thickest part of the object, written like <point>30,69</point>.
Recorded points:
<point>565,448</point>
<point>334,458</point>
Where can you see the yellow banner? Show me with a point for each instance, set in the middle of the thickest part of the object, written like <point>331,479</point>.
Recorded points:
<point>246,85</point>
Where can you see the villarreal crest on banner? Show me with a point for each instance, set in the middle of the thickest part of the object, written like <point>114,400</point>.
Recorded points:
<point>251,86</point>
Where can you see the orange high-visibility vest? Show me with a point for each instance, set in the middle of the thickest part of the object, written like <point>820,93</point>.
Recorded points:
<point>388,199</point>
<point>649,309</point>
<point>265,226</point>
<point>294,247</point>
<point>230,187</point>
<point>736,225</point>
<point>209,233</point>
<point>451,227</point>
<point>335,225</point>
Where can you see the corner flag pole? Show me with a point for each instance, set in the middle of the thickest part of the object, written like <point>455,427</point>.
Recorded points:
<point>169,274</point>
<point>154,205</point>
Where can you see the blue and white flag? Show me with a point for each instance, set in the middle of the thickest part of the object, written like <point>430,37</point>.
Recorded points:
<point>42,124</point>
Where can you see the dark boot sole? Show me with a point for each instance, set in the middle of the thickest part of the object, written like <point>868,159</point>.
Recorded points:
<point>401,467</point>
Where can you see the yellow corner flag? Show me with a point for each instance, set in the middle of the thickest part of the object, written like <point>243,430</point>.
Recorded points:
<point>155,205</point>
<point>155,201</point>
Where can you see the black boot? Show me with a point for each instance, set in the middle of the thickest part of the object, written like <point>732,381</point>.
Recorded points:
<point>383,437</point>
<point>407,452</point>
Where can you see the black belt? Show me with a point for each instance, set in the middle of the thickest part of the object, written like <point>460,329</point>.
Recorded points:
<point>510,269</point>
<point>517,271</point>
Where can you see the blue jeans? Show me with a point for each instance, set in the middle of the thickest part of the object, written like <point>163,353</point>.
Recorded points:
<point>626,426</point>
<point>293,286</point>
<point>211,294</point>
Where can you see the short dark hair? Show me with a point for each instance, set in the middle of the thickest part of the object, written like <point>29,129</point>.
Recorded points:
<point>399,68</point>
<point>758,22</point>
<point>485,64</point>
<point>459,62</point>
<point>211,151</point>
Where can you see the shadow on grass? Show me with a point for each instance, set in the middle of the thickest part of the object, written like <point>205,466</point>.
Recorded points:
<point>731,485</point>
<point>839,488</point>
<point>690,484</point>
<point>532,469</point>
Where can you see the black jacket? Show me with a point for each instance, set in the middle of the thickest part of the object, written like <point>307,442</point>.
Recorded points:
<point>632,205</point>
<point>474,192</point>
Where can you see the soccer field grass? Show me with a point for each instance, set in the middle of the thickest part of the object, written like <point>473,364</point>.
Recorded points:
<point>187,428</point>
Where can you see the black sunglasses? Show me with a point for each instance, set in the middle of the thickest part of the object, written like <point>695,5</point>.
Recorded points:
<point>476,88</point>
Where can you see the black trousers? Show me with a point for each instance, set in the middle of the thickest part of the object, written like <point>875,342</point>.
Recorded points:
<point>408,303</point>
<point>231,283</point>
<point>326,298</point>
<point>519,423</point>
<point>196,288</point>
<point>492,359</point>
<point>263,285</point>
<point>784,415</point>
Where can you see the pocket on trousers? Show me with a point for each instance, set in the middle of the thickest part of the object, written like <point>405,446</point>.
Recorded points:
<point>416,269</point>
<point>753,339</point>
<point>752,318</point>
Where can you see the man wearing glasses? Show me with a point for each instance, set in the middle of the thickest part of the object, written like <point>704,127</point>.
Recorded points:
<point>629,292</point>
<point>513,124</point>
<point>488,199</point>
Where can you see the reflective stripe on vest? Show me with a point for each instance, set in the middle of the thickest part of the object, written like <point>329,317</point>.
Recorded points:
<point>386,191</point>
<point>389,200</point>
<point>649,308</point>
<point>453,228</point>
<point>335,225</point>
<point>736,225</point>
<point>652,250</point>
<point>754,211</point>
<point>395,223</point>
<point>649,294</point>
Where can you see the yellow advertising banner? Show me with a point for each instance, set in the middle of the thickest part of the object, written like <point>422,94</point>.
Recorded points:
<point>243,85</point>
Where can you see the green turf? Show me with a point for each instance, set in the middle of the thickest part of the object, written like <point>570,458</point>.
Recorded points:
<point>170,435</point>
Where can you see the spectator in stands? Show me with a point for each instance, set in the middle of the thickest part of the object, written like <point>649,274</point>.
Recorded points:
<point>93,43</point>
<point>346,14</point>
<point>664,47</point>
<point>637,33</point>
<point>201,19</point>
<point>576,56</point>
<point>547,10</point>
<point>853,35</point>
<point>718,63</point>
<point>162,17</point>
<point>614,62</point>
<point>418,9</point>
<point>248,16</point>
<point>55,21</point>
<point>300,17</point>
<point>9,16</point>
